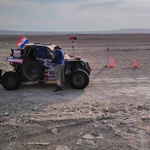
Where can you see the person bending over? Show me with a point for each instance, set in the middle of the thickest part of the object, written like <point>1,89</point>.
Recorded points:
<point>59,67</point>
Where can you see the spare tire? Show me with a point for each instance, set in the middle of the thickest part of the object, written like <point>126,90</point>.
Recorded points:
<point>33,70</point>
<point>11,80</point>
<point>79,79</point>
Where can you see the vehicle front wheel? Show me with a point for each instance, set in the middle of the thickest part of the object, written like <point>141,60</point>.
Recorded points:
<point>10,80</point>
<point>79,79</point>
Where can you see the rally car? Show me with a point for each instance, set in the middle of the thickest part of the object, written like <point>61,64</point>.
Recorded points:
<point>33,63</point>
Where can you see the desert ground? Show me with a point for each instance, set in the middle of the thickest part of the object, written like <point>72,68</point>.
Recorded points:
<point>111,113</point>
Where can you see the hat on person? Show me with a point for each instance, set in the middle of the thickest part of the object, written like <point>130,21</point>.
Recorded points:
<point>57,47</point>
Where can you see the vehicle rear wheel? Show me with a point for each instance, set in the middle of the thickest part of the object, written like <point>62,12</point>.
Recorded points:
<point>79,79</point>
<point>11,80</point>
<point>33,70</point>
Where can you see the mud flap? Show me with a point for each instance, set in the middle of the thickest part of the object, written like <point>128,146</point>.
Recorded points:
<point>0,76</point>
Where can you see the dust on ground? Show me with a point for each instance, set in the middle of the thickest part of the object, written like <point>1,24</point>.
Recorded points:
<point>113,112</point>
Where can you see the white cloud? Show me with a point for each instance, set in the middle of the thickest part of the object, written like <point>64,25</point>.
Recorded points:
<point>74,15</point>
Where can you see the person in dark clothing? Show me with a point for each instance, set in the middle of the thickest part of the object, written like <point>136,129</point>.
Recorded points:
<point>59,67</point>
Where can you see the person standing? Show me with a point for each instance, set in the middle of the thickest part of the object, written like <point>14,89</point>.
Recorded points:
<point>59,67</point>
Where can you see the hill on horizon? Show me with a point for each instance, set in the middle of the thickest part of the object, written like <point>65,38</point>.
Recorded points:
<point>119,31</point>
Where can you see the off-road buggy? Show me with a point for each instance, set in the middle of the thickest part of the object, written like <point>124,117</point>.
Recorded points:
<point>33,63</point>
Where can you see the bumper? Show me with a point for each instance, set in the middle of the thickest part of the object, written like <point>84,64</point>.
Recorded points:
<point>0,75</point>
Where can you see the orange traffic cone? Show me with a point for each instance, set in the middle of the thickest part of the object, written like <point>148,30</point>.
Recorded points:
<point>135,64</point>
<point>112,65</point>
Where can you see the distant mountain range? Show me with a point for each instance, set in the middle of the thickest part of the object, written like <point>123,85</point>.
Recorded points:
<point>119,31</point>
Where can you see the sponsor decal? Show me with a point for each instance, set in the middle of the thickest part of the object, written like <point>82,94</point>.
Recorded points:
<point>14,60</point>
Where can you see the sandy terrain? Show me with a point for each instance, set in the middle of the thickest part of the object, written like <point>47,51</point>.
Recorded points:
<point>112,113</point>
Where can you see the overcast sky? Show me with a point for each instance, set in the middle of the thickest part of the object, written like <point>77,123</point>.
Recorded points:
<point>73,15</point>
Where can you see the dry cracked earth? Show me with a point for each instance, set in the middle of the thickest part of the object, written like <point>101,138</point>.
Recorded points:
<point>111,113</point>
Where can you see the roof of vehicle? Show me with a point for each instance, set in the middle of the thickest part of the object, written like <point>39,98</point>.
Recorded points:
<point>51,46</point>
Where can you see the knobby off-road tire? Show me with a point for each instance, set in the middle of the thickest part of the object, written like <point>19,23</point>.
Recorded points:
<point>79,79</point>
<point>33,70</point>
<point>84,67</point>
<point>87,70</point>
<point>11,80</point>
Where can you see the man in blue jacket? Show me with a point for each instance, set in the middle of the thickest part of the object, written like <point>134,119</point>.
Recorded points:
<point>59,67</point>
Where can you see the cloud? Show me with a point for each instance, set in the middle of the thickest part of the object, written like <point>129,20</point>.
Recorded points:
<point>64,15</point>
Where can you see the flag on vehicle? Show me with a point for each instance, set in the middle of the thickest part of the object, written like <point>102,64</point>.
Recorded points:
<point>23,40</point>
